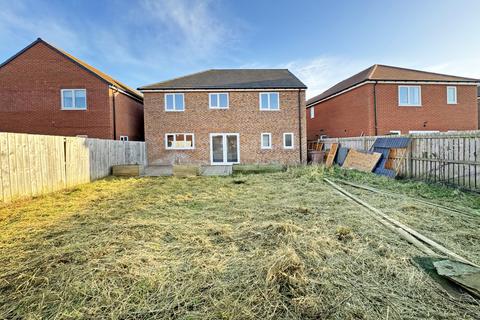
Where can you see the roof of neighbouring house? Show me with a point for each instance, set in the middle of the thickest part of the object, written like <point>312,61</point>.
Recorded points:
<point>380,72</point>
<point>82,64</point>
<point>232,79</point>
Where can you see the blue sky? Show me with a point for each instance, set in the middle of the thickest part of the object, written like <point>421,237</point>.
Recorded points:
<point>322,42</point>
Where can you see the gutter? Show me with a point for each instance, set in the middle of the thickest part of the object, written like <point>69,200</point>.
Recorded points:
<point>114,112</point>
<point>300,125</point>
<point>375,108</point>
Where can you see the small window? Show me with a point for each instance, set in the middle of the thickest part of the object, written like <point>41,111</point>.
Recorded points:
<point>123,138</point>
<point>266,140</point>
<point>218,101</point>
<point>395,132</point>
<point>269,101</point>
<point>312,112</point>
<point>288,140</point>
<point>451,95</point>
<point>74,99</point>
<point>174,102</point>
<point>409,96</point>
<point>179,141</point>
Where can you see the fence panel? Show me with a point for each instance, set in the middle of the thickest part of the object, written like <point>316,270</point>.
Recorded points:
<point>451,158</point>
<point>32,165</point>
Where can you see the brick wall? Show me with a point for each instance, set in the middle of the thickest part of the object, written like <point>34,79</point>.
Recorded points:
<point>434,114</point>
<point>128,117</point>
<point>346,115</point>
<point>243,117</point>
<point>351,113</point>
<point>30,96</point>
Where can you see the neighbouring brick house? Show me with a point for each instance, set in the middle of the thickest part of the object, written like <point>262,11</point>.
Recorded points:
<point>390,100</point>
<point>226,117</point>
<point>44,90</point>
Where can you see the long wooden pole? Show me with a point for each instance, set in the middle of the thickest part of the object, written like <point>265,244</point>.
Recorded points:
<point>407,229</point>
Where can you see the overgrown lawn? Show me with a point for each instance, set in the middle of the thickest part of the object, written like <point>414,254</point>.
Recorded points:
<point>274,246</point>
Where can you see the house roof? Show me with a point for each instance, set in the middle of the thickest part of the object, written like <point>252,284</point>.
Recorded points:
<point>232,79</point>
<point>103,76</point>
<point>380,72</point>
<point>478,91</point>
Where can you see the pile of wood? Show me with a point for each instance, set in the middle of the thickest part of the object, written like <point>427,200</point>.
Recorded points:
<point>386,156</point>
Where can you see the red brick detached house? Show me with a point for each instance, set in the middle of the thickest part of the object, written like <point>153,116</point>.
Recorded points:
<point>44,90</point>
<point>390,100</point>
<point>226,117</point>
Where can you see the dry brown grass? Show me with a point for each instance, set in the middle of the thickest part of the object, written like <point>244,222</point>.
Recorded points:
<point>275,246</point>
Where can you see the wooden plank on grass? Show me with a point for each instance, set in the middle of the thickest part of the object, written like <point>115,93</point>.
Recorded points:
<point>331,155</point>
<point>361,161</point>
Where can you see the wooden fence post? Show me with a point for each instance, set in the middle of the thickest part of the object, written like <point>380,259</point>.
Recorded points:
<point>409,158</point>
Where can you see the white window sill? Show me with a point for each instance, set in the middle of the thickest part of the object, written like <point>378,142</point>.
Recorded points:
<point>216,108</point>
<point>73,109</point>
<point>179,148</point>
<point>452,103</point>
<point>269,109</point>
<point>266,148</point>
<point>174,110</point>
<point>288,148</point>
<point>409,105</point>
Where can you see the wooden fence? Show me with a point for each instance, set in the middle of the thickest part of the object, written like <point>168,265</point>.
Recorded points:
<point>32,165</point>
<point>451,158</point>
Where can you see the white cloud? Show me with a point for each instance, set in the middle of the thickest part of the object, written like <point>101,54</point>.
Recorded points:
<point>192,29</point>
<point>322,72</point>
<point>464,68</point>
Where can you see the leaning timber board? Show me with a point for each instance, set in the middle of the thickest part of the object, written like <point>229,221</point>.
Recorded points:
<point>361,161</point>
<point>331,155</point>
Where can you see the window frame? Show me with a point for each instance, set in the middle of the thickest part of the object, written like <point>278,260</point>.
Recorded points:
<point>395,132</point>
<point>268,95</point>
<point>218,100</point>
<point>312,112</point>
<point>269,140</point>
<point>123,138</point>
<point>175,139</point>
<point>174,103</point>
<point>400,104</point>
<point>293,142</point>
<point>456,97</point>
<point>73,99</point>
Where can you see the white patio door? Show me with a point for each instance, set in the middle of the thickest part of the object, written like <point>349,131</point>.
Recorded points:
<point>224,148</point>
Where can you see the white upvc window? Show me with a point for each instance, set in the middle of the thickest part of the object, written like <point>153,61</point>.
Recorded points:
<point>218,100</point>
<point>395,132</point>
<point>409,96</point>
<point>269,101</point>
<point>74,99</point>
<point>266,141</point>
<point>451,95</point>
<point>312,112</point>
<point>288,140</point>
<point>179,141</point>
<point>123,138</point>
<point>174,102</point>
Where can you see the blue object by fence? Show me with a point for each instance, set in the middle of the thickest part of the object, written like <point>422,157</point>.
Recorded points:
<point>341,155</point>
<point>383,146</point>
<point>391,143</point>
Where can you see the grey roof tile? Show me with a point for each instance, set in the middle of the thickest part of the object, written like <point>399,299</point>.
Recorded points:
<point>232,79</point>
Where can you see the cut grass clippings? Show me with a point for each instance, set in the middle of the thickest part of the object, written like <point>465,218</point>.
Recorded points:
<point>275,246</point>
